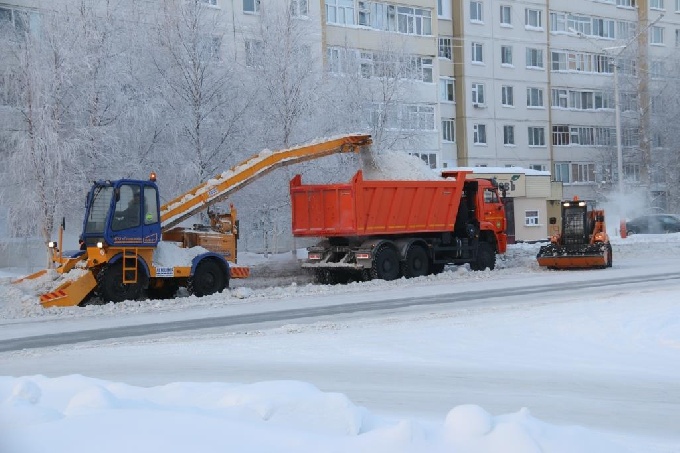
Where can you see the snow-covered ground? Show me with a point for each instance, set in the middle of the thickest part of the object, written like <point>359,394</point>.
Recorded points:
<point>574,371</point>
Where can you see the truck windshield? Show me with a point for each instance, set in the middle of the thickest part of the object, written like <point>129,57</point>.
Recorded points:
<point>98,209</point>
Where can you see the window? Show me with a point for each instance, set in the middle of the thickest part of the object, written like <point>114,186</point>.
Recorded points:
<point>9,92</point>
<point>254,50</point>
<point>537,167</point>
<point>506,55</point>
<point>478,93</point>
<point>532,18</point>
<point>531,218</point>
<point>560,135</point>
<point>448,130</point>
<point>209,48</point>
<point>210,2</point>
<point>476,12</point>
<point>446,89</point>
<point>677,6</point>
<point>534,97</point>
<point>626,3</point>
<point>559,98</point>
<point>558,22</point>
<point>508,135</point>
<point>581,100</point>
<point>561,172</point>
<point>625,29</point>
<point>631,172</point>
<point>656,4</point>
<point>444,9</point>
<point>445,48</point>
<point>150,205</point>
<point>337,11</point>
<point>536,136</point>
<point>582,135</point>
<point>507,98</point>
<point>582,172</point>
<point>603,28</point>
<point>417,117</point>
<point>656,35</point>
<point>251,6</point>
<point>534,58</point>
<point>477,53</point>
<point>506,15</point>
<point>677,37</point>
<point>299,8</point>
<point>429,158</point>
<point>579,24</point>
<point>414,21</point>
<point>479,134</point>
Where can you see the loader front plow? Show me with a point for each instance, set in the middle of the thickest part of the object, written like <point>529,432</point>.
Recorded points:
<point>71,292</point>
<point>590,256</point>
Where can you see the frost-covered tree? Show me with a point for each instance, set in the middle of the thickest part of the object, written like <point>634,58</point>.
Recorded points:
<point>204,94</point>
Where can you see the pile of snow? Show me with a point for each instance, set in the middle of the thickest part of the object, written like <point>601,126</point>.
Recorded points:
<point>75,413</point>
<point>395,165</point>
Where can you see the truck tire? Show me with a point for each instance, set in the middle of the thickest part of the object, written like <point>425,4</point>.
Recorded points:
<point>486,257</point>
<point>209,278</point>
<point>110,286</point>
<point>386,264</point>
<point>416,263</point>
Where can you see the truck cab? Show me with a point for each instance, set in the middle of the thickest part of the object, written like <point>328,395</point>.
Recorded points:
<point>125,212</point>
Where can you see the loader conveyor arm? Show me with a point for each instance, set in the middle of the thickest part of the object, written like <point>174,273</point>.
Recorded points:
<point>220,187</point>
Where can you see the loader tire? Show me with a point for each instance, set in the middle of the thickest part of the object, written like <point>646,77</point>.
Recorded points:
<point>416,263</point>
<point>209,278</point>
<point>110,286</point>
<point>386,264</point>
<point>610,255</point>
<point>486,257</point>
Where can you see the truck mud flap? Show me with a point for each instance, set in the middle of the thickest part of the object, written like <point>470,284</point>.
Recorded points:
<point>239,271</point>
<point>70,293</point>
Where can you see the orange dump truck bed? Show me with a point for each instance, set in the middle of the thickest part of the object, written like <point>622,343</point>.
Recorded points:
<point>365,208</point>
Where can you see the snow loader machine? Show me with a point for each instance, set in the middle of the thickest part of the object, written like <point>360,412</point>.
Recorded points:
<point>131,244</point>
<point>582,242</point>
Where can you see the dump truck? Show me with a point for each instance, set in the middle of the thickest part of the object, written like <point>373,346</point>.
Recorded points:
<point>581,243</point>
<point>382,229</point>
<point>132,243</point>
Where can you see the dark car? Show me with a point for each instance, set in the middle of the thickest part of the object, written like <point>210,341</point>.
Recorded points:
<point>654,224</point>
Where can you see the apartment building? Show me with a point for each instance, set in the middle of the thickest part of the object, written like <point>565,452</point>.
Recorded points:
<point>499,83</point>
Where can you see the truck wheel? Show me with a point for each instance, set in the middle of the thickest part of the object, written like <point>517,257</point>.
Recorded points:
<point>485,258</point>
<point>209,278</point>
<point>416,263</point>
<point>110,286</point>
<point>386,264</point>
<point>436,268</point>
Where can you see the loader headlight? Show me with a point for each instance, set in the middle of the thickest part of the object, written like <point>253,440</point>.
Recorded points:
<point>52,244</point>
<point>100,245</point>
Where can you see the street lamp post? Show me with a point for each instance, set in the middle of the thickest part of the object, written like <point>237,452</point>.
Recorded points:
<point>619,147</point>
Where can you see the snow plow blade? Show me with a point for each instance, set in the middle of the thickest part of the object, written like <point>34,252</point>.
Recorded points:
<point>572,262</point>
<point>70,293</point>
<point>556,257</point>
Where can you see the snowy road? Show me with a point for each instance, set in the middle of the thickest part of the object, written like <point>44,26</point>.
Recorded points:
<point>387,302</point>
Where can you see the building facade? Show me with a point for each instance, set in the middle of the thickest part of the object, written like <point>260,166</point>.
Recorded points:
<point>497,83</point>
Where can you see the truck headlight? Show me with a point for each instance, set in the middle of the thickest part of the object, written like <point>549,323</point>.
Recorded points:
<point>52,244</point>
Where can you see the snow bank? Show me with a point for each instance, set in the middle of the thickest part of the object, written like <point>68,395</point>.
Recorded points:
<point>74,413</point>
